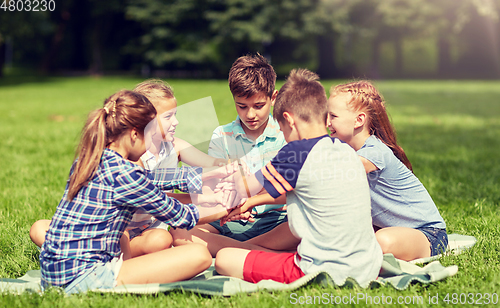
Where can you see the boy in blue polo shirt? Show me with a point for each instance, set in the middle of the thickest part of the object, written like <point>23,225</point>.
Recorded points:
<point>254,137</point>
<point>327,193</point>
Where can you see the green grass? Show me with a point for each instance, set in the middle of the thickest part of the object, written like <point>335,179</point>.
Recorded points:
<point>449,130</point>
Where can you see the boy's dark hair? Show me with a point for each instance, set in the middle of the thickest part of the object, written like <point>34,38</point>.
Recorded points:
<point>250,75</point>
<point>303,95</point>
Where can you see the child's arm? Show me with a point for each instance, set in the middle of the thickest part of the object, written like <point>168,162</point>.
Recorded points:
<point>369,166</point>
<point>136,189</point>
<point>209,214</point>
<point>246,185</point>
<point>188,179</point>
<point>208,204</point>
<point>207,196</point>
<point>261,198</point>
<point>192,156</point>
<point>185,179</point>
<point>181,197</point>
<point>271,177</point>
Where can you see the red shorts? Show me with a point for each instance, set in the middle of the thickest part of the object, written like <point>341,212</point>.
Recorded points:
<point>280,267</point>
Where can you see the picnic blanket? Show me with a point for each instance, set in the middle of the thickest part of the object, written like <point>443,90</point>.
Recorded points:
<point>457,243</point>
<point>397,273</point>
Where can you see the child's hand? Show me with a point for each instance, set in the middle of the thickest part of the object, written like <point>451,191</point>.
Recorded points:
<point>219,162</point>
<point>238,214</point>
<point>231,198</point>
<point>208,197</point>
<point>244,168</point>
<point>220,172</point>
<point>236,181</point>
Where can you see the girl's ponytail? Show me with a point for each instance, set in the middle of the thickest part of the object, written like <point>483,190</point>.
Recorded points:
<point>381,126</point>
<point>122,111</point>
<point>89,151</point>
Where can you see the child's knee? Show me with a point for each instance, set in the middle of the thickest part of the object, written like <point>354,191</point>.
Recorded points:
<point>222,260</point>
<point>178,236</point>
<point>183,236</point>
<point>385,241</point>
<point>202,255</point>
<point>219,260</point>
<point>158,240</point>
<point>38,231</point>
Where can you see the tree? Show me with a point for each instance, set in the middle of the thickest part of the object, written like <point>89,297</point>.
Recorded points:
<point>273,28</point>
<point>472,24</point>
<point>26,31</point>
<point>445,20</point>
<point>175,35</point>
<point>211,34</point>
<point>329,22</point>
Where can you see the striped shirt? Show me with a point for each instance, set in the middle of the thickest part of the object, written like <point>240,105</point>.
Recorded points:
<point>87,229</point>
<point>328,208</point>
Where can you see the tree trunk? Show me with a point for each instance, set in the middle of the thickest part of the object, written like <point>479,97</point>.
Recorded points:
<point>51,55</point>
<point>398,48</point>
<point>375,62</point>
<point>96,65</point>
<point>79,31</point>
<point>444,61</point>
<point>2,56</point>
<point>326,54</point>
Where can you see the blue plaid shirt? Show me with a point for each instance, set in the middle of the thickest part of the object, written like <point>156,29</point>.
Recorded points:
<point>87,229</point>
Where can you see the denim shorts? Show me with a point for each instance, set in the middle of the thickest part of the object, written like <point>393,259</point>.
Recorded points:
<point>99,276</point>
<point>437,238</point>
<point>243,230</point>
<point>155,225</point>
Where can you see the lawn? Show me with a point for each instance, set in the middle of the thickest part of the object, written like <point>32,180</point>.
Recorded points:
<point>449,130</point>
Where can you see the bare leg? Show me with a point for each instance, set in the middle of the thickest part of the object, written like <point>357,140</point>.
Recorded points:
<point>38,231</point>
<point>125,245</point>
<point>230,262</point>
<point>169,265</point>
<point>150,241</point>
<point>214,242</point>
<point>404,243</point>
<point>279,238</point>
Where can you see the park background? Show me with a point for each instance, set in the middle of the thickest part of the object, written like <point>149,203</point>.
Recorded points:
<point>201,38</point>
<point>435,61</point>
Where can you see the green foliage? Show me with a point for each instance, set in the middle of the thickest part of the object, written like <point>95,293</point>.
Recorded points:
<point>174,33</point>
<point>211,34</point>
<point>203,37</point>
<point>449,130</point>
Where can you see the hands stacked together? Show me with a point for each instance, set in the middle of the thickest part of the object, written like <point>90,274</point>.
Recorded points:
<point>226,186</point>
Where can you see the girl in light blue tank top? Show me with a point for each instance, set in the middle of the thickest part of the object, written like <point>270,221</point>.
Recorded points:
<point>407,221</point>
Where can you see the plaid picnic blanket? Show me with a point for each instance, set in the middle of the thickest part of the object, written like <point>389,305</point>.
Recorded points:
<point>396,273</point>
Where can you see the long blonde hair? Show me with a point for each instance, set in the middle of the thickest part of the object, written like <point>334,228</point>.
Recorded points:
<point>122,111</point>
<point>366,98</point>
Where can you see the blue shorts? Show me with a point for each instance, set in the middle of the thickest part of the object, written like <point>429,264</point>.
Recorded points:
<point>243,230</point>
<point>99,276</point>
<point>437,238</point>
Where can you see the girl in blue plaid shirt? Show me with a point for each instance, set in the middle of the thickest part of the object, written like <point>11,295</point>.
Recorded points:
<point>82,246</point>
